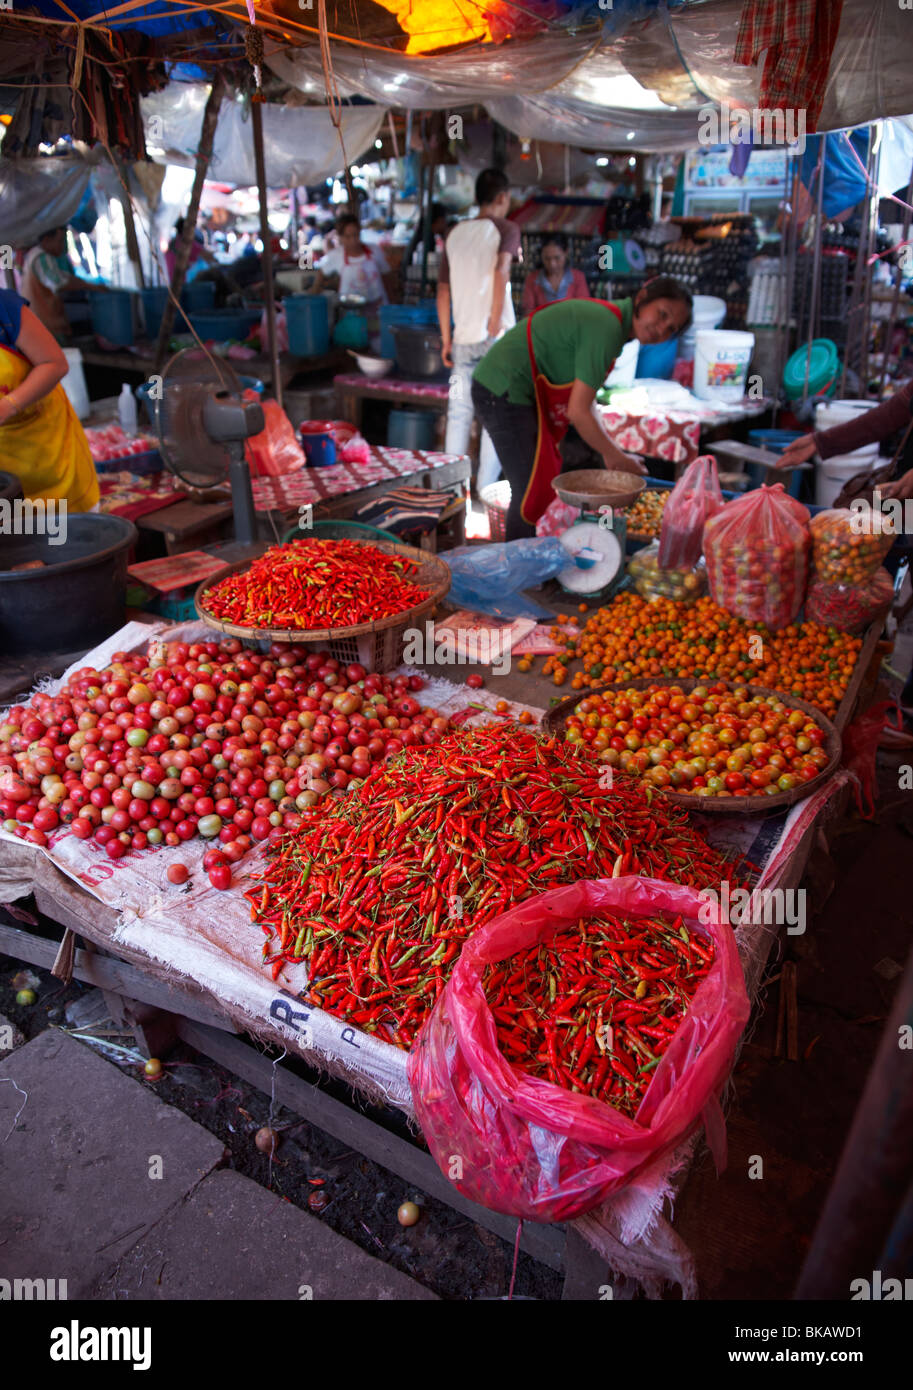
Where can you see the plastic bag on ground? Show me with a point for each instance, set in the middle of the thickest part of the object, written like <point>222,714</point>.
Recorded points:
<point>848,546</point>
<point>652,582</point>
<point>756,550</point>
<point>849,607</point>
<point>695,498</point>
<point>533,1149</point>
<point>275,450</point>
<point>490,578</point>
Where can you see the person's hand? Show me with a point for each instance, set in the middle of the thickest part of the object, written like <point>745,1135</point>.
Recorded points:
<point>494,328</point>
<point>7,409</point>
<point>447,355</point>
<point>902,489</point>
<point>797,452</point>
<point>620,462</point>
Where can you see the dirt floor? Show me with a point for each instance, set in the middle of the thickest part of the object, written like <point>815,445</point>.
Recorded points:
<point>749,1234</point>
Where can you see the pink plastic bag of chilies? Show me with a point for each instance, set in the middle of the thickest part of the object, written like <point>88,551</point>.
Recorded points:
<point>756,551</point>
<point>531,1148</point>
<point>695,498</point>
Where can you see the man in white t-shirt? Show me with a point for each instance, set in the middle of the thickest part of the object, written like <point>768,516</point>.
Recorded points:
<point>474,287</point>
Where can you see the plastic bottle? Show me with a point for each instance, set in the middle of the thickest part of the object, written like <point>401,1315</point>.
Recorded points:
<point>126,409</point>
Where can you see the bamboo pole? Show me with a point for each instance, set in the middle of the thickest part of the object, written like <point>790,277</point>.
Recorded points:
<point>185,241</point>
<point>256,112</point>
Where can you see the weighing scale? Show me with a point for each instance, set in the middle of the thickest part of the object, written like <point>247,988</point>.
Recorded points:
<point>598,548</point>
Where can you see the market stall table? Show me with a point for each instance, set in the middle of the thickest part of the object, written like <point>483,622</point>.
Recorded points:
<point>353,389</point>
<point>340,490</point>
<point>184,972</point>
<point>140,361</point>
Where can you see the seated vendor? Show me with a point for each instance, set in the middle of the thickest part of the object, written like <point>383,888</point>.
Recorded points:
<point>41,439</point>
<point>45,281</point>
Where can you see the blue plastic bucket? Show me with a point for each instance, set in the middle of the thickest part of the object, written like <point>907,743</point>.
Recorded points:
<point>318,443</point>
<point>112,317</point>
<point>657,360</point>
<point>308,321</point>
<point>411,429</point>
<point>774,441</point>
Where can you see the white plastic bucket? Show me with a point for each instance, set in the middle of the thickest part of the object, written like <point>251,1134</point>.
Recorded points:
<point>833,473</point>
<point>706,312</point>
<point>721,361</point>
<point>625,369</point>
<point>829,414</point>
<point>74,383</point>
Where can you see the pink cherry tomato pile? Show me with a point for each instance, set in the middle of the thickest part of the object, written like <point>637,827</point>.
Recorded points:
<point>715,741</point>
<point>209,739</point>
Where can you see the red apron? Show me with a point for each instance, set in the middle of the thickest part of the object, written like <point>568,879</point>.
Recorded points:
<point>551,406</point>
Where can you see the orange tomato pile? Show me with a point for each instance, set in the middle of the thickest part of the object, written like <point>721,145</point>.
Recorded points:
<point>715,741</point>
<point>636,638</point>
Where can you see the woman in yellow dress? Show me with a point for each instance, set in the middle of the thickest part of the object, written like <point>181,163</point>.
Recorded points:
<point>41,439</point>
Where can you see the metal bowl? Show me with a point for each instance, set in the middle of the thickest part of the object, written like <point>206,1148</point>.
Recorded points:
<point>593,487</point>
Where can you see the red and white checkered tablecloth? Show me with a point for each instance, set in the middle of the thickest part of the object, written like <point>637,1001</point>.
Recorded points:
<point>435,390</point>
<point>673,435</point>
<point>317,484</point>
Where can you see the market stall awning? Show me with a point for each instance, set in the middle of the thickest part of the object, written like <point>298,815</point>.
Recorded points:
<point>684,56</point>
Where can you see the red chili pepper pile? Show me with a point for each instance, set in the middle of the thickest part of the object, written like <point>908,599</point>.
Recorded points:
<point>379,894</point>
<point>308,585</point>
<point>595,1008</point>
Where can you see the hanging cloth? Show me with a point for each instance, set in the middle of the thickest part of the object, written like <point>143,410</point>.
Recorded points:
<point>799,38</point>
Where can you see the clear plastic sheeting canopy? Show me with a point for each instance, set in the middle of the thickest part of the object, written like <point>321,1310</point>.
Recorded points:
<point>38,194</point>
<point>684,56</point>
<point>301,144</point>
<point>578,123</point>
<point>461,78</point>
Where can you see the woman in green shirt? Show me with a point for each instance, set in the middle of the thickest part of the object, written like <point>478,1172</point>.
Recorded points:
<point>543,375</point>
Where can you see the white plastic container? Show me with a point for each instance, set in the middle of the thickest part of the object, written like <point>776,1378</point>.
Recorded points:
<point>126,409</point>
<point>830,414</point>
<point>74,383</point>
<point>721,361</point>
<point>832,474</point>
<point>625,369</point>
<point>707,312</point>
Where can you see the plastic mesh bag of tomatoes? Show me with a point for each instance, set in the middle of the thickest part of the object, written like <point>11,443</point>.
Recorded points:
<point>756,551</point>
<point>695,498</point>
<point>540,1151</point>
<point>849,607</point>
<point>849,545</point>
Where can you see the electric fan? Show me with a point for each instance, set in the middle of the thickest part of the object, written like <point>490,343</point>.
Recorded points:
<point>202,422</point>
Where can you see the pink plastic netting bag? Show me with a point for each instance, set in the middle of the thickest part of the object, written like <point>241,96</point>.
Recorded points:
<point>756,551</point>
<point>695,498</point>
<point>536,1150</point>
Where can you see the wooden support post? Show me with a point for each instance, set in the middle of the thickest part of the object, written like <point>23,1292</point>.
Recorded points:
<point>256,120</point>
<point>185,241</point>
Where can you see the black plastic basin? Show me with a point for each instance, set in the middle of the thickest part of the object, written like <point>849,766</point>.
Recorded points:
<point>76,598</point>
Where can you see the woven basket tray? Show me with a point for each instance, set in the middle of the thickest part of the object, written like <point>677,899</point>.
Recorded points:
<point>556,720</point>
<point>432,574</point>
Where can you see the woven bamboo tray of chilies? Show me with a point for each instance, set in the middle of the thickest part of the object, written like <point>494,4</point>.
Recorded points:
<point>432,574</point>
